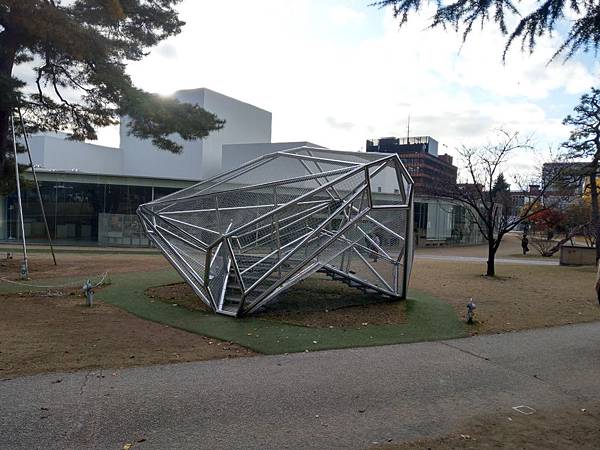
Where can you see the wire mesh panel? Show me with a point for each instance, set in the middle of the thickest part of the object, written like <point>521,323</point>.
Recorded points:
<point>243,237</point>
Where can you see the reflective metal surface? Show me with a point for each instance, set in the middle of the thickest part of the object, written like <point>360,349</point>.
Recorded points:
<point>242,237</point>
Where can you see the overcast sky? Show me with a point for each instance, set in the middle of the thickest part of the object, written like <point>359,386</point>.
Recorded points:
<point>337,72</point>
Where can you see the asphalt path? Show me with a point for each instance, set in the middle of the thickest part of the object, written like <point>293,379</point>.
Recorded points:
<point>330,399</point>
<point>524,261</point>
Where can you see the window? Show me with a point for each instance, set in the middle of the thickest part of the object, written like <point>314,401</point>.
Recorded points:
<point>73,210</point>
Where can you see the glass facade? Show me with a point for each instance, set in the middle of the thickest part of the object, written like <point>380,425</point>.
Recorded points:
<point>100,212</point>
<point>85,213</point>
<point>439,222</point>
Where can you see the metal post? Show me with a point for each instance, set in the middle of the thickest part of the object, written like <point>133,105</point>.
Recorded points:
<point>408,244</point>
<point>275,224</point>
<point>88,290</point>
<point>37,185</point>
<point>25,265</point>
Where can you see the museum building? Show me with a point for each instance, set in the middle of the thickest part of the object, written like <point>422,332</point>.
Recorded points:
<point>91,192</point>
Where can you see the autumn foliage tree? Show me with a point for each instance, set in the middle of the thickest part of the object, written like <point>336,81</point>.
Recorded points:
<point>547,220</point>
<point>543,226</point>
<point>72,56</point>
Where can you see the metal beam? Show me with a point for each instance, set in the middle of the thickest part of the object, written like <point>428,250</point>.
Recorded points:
<point>306,229</point>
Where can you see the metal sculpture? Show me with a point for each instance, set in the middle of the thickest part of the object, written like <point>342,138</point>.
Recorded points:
<point>243,237</point>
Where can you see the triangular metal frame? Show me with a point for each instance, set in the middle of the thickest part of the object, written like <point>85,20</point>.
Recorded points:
<point>243,237</point>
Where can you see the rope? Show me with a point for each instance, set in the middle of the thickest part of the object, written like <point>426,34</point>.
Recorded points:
<point>78,283</point>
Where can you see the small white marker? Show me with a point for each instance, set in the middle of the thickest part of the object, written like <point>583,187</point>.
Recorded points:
<point>523,409</point>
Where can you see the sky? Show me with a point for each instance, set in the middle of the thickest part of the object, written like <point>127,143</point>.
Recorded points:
<point>338,72</point>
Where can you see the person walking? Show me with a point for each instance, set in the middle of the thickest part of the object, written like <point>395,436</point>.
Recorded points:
<point>377,244</point>
<point>525,244</point>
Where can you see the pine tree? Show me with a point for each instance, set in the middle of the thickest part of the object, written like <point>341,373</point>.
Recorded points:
<point>501,194</point>
<point>500,185</point>
<point>541,19</point>
<point>584,143</point>
<point>78,51</point>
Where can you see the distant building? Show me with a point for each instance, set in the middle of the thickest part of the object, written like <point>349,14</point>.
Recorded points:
<point>521,198</point>
<point>420,156</point>
<point>438,221</point>
<point>565,178</point>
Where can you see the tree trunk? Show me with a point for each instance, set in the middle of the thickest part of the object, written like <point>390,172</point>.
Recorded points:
<point>595,219</point>
<point>491,267</point>
<point>568,237</point>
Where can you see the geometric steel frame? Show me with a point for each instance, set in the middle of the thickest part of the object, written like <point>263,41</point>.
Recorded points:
<point>241,238</point>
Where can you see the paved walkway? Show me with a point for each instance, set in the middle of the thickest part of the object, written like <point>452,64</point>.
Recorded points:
<point>330,399</point>
<point>524,261</point>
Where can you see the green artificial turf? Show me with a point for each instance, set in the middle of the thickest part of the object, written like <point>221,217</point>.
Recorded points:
<point>427,319</point>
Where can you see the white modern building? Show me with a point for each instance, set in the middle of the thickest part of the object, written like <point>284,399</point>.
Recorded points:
<point>91,192</point>
<point>199,159</point>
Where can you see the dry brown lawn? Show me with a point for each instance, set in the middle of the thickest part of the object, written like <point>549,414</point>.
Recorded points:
<point>80,265</point>
<point>567,427</point>
<point>42,333</point>
<point>47,334</point>
<point>519,297</point>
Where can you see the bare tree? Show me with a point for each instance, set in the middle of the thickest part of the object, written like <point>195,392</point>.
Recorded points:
<point>486,205</point>
<point>548,247</point>
<point>578,215</point>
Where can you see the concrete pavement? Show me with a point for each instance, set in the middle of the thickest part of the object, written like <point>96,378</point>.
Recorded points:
<point>330,399</point>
